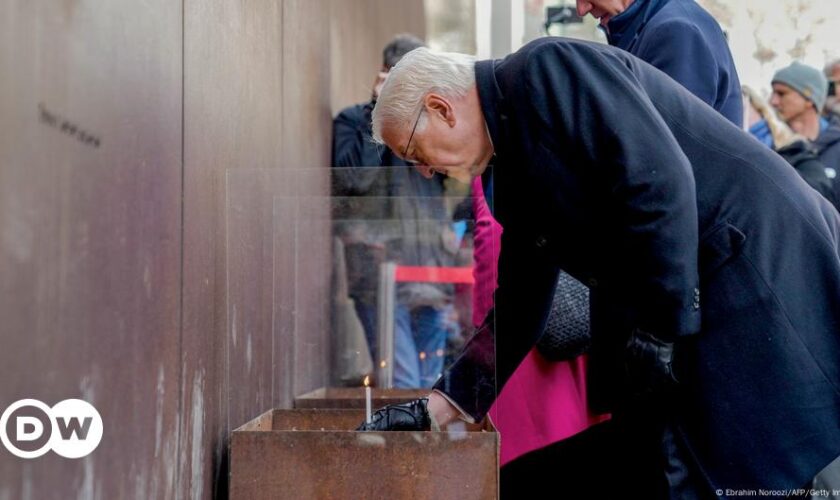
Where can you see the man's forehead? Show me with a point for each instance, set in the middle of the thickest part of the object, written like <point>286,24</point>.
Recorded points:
<point>394,137</point>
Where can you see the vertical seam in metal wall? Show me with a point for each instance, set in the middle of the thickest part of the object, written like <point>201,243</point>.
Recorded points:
<point>177,483</point>
<point>224,442</point>
<point>274,398</point>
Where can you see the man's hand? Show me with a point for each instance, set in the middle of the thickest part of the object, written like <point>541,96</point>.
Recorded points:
<point>432,412</point>
<point>649,365</point>
<point>411,416</point>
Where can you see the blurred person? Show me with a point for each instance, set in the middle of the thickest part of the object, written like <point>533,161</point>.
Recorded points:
<point>758,119</point>
<point>420,326</point>
<point>352,144</point>
<point>763,124</point>
<point>713,268</point>
<point>832,103</point>
<point>799,95</point>
<point>679,38</point>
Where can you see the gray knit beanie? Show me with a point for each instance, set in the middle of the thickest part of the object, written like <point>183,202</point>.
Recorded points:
<point>808,81</point>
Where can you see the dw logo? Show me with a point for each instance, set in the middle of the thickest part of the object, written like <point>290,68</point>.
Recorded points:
<point>72,428</point>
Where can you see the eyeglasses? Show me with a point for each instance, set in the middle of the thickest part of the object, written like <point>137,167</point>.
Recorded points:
<point>413,129</point>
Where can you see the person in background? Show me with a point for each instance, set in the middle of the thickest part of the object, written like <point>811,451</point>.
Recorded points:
<point>757,121</point>
<point>765,126</point>
<point>352,144</point>
<point>799,95</point>
<point>832,103</point>
<point>398,193</point>
<point>679,38</point>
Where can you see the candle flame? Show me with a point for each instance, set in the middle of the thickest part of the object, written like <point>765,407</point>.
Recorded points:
<point>367,380</point>
<point>382,364</point>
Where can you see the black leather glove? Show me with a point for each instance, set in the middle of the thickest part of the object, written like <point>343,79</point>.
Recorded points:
<point>411,416</point>
<point>649,365</point>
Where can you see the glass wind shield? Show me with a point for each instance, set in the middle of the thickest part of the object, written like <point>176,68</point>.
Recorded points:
<point>341,275</point>
<point>338,278</point>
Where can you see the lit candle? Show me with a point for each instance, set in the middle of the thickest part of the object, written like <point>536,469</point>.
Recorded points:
<point>367,399</point>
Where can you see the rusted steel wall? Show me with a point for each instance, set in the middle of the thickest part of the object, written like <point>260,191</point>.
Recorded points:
<point>233,105</point>
<point>357,54</point>
<point>90,236</point>
<point>260,80</point>
<point>118,123</point>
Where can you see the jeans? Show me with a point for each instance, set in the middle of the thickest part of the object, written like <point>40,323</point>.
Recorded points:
<point>419,343</point>
<point>367,316</point>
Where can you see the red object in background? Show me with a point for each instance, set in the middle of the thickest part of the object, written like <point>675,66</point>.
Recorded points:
<point>434,274</point>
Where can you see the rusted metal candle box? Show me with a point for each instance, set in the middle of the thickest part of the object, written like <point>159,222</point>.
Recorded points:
<point>317,454</point>
<point>354,397</point>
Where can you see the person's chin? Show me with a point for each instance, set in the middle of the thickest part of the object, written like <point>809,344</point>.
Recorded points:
<point>460,174</point>
<point>462,177</point>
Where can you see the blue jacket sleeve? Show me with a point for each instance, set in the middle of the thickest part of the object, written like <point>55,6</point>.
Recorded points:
<point>680,50</point>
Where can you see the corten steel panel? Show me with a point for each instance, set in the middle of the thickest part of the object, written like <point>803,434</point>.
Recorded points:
<point>312,335</point>
<point>233,73</point>
<point>360,29</point>
<point>284,298</point>
<point>90,239</point>
<point>249,281</point>
<point>286,295</point>
<point>256,95</point>
<point>307,123</point>
<point>355,57</point>
<point>265,302</point>
<point>307,131</point>
<point>316,454</point>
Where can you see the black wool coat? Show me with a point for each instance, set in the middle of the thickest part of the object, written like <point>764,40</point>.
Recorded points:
<point>682,225</point>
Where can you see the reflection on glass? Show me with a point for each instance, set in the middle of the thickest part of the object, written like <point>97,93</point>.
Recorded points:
<point>398,273</point>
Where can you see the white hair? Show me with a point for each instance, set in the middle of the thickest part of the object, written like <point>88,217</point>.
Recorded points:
<point>420,72</point>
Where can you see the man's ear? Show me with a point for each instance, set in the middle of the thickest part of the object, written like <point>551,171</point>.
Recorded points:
<point>438,105</point>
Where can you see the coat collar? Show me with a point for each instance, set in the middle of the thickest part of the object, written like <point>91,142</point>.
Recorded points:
<point>492,102</point>
<point>623,30</point>
<point>493,107</point>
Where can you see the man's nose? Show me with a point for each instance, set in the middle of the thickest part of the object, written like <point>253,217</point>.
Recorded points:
<point>425,170</point>
<point>583,8</point>
<point>774,100</point>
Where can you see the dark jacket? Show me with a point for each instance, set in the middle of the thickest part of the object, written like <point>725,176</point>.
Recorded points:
<point>804,160</point>
<point>355,155</point>
<point>686,43</point>
<point>828,149</point>
<point>682,225</point>
<point>353,147</point>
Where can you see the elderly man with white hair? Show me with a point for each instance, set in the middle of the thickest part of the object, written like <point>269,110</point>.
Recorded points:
<point>714,269</point>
